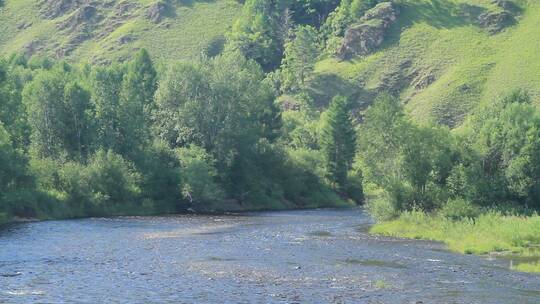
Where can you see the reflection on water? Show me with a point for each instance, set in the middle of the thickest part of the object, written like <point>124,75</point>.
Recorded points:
<point>319,256</point>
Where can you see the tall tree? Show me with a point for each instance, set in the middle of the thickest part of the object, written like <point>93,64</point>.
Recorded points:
<point>12,112</point>
<point>13,172</point>
<point>106,84</point>
<point>312,12</point>
<point>136,102</point>
<point>300,56</point>
<point>78,120</point>
<point>44,101</point>
<point>259,34</point>
<point>338,140</point>
<point>221,104</point>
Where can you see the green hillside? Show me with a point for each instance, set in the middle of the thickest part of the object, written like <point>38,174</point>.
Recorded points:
<point>98,31</point>
<point>442,63</point>
<point>435,56</point>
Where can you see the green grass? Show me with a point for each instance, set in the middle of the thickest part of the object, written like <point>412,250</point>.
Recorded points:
<point>432,39</point>
<point>183,35</point>
<point>468,66</point>
<point>527,267</point>
<point>512,236</point>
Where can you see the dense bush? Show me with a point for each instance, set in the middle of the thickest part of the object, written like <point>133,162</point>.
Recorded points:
<point>199,177</point>
<point>457,209</point>
<point>113,181</point>
<point>492,160</point>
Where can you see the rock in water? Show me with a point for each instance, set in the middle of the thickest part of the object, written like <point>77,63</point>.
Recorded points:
<point>366,36</point>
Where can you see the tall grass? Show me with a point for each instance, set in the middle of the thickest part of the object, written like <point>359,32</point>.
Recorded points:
<point>489,233</point>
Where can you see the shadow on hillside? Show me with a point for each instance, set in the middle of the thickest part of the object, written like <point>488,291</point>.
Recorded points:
<point>441,14</point>
<point>323,87</point>
<point>190,3</point>
<point>172,5</point>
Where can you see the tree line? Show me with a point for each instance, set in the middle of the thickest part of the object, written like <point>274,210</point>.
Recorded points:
<point>491,161</point>
<point>80,140</point>
<point>215,132</point>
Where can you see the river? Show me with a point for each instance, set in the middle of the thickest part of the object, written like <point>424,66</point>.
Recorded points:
<point>319,256</point>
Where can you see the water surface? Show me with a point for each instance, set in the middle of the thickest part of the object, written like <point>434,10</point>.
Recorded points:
<point>320,256</point>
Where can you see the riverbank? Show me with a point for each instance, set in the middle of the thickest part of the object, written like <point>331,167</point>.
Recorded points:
<point>63,212</point>
<point>514,237</point>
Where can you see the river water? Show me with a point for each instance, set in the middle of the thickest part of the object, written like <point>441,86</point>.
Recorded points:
<point>319,256</point>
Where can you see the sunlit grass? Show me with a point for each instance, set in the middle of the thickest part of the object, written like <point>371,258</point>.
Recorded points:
<point>184,35</point>
<point>527,267</point>
<point>467,65</point>
<point>489,233</point>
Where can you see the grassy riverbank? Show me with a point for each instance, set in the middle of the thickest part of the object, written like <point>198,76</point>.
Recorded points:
<point>515,237</point>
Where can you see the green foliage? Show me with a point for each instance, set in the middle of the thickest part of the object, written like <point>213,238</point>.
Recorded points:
<point>411,163</point>
<point>113,180</point>
<point>382,209</point>
<point>457,209</point>
<point>300,130</point>
<point>12,112</point>
<point>223,105</point>
<point>208,132</point>
<point>491,161</point>
<point>260,31</point>
<point>301,53</point>
<point>199,175</point>
<point>303,179</point>
<point>13,173</point>
<point>105,84</point>
<point>312,12</point>
<point>338,141</point>
<point>354,186</point>
<point>136,103</point>
<point>488,233</point>
<point>161,178</point>
<point>505,143</point>
<point>344,15</point>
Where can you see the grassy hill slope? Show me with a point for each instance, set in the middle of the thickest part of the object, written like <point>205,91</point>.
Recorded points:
<point>443,64</point>
<point>100,31</point>
<point>436,56</point>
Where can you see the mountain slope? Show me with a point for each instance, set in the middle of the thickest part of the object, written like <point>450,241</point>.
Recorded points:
<point>440,56</point>
<point>101,31</point>
<point>442,63</point>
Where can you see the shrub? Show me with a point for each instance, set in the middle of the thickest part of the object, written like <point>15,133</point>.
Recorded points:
<point>161,182</point>
<point>198,176</point>
<point>113,181</point>
<point>457,209</point>
<point>382,209</point>
<point>74,182</point>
